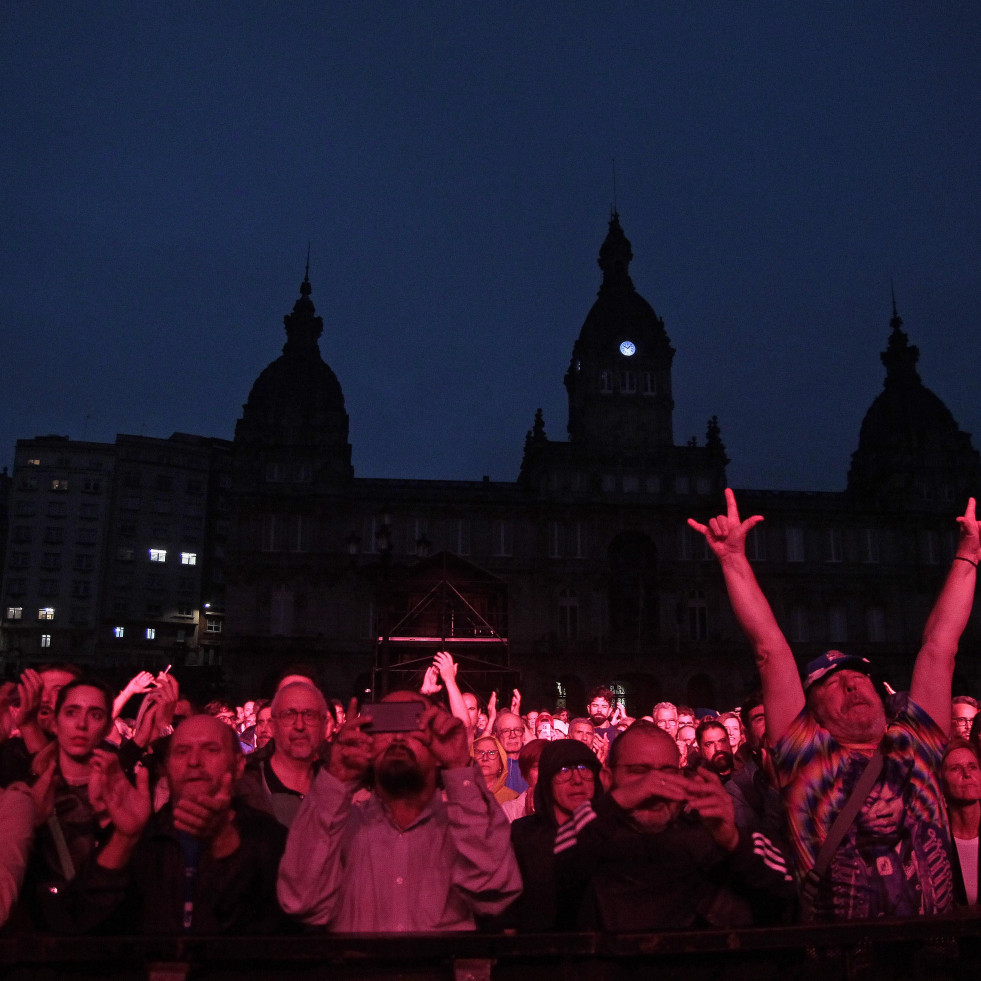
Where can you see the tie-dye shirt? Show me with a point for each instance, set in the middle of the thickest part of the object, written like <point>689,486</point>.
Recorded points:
<point>894,859</point>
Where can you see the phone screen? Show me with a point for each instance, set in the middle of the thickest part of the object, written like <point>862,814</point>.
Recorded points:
<point>393,716</point>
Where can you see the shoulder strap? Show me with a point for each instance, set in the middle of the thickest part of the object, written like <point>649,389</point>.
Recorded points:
<point>848,813</point>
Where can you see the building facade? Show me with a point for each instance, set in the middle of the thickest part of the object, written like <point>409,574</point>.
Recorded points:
<point>269,550</point>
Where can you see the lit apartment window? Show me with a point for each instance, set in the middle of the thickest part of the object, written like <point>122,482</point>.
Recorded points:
<point>214,625</point>
<point>151,633</point>
<point>189,558</point>
<point>59,485</point>
<point>45,640</point>
<point>34,463</point>
<point>119,632</point>
<point>158,555</point>
<point>46,613</point>
<point>15,613</point>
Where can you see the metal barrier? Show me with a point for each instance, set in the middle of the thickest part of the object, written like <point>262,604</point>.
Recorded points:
<point>927,948</point>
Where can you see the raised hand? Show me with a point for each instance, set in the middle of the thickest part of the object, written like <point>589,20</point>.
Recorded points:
<point>726,533</point>
<point>430,686</point>
<point>516,701</point>
<point>29,690</point>
<point>352,748</point>
<point>126,806</point>
<point>969,545</point>
<point>443,662</point>
<point>206,815</point>
<point>708,798</point>
<point>446,737</point>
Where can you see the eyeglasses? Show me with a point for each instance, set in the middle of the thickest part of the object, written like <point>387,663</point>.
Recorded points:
<point>565,773</point>
<point>486,754</point>
<point>511,732</point>
<point>310,716</point>
<point>963,723</point>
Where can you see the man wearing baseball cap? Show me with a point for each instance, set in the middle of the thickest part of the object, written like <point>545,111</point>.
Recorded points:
<point>892,857</point>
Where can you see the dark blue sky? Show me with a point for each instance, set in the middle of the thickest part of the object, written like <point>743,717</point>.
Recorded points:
<point>164,165</point>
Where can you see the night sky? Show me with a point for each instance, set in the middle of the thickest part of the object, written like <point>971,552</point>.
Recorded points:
<point>778,166</point>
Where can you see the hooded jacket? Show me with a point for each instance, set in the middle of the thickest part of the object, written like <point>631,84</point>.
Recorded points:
<point>543,907</point>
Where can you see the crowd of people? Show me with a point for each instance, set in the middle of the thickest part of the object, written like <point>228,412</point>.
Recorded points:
<point>823,797</point>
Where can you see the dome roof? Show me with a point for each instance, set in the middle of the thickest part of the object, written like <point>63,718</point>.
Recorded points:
<point>909,439</point>
<point>620,312</point>
<point>298,391</point>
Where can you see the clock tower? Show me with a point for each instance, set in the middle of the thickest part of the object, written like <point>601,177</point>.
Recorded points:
<point>619,379</point>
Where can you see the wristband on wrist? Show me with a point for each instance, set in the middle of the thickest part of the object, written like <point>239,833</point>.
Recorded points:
<point>964,558</point>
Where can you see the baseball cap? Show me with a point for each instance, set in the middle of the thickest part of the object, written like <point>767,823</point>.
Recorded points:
<point>831,661</point>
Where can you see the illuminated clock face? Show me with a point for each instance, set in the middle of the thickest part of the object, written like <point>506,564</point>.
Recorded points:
<point>627,348</point>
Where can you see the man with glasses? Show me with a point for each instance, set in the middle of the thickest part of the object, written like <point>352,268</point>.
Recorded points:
<point>278,783</point>
<point>962,711</point>
<point>567,788</point>
<point>664,851</point>
<point>427,849</point>
<point>510,730</point>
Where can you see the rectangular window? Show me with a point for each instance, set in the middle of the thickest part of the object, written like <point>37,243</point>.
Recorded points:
<point>54,536</point>
<point>19,560</point>
<point>15,613</point>
<point>51,560</point>
<point>57,509</point>
<point>650,384</point>
<point>158,555</point>
<point>838,624</point>
<point>682,485</point>
<point>463,536</point>
<point>214,625</point>
<point>555,540</point>
<point>59,485</point>
<point>833,544</point>
<point>151,633</point>
<point>870,542</point>
<point>21,534</point>
<point>16,587</point>
<point>185,611</point>
<point>86,536</point>
<point>503,538</point>
<point>799,631</point>
<point>795,544</point>
<point>84,563</point>
<point>119,632</point>
<point>48,587</point>
<point>46,613</point>
<point>631,483</point>
<point>45,640</point>
<point>628,382</point>
<point>875,623</point>
<point>81,587</point>
<point>189,558</point>
<point>606,383</point>
<point>91,485</point>
<point>579,540</point>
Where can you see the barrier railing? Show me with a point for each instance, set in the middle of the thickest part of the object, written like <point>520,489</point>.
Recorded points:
<point>935,948</point>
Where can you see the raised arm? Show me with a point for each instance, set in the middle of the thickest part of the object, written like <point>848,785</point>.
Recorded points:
<point>447,668</point>
<point>934,667</point>
<point>783,696</point>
